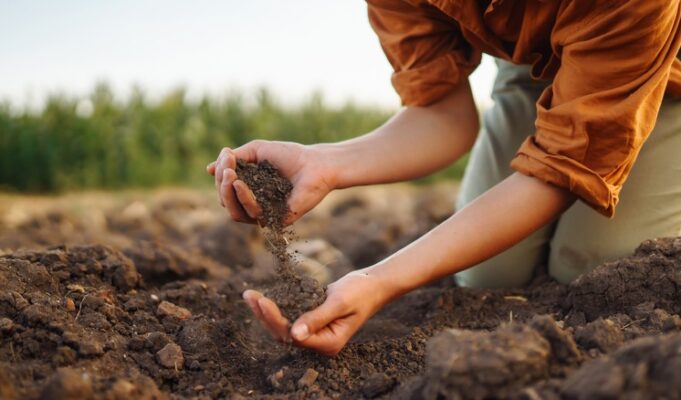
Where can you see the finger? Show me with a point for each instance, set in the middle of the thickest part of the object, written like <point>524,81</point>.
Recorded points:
<point>230,162</point>
<point>247,199</point>
<point>276,322</point>
<point>331,339</point>
<point>222,204</point>
<point>296,205</point>
<point>251,297</point>
<point>300,201</point>
<point>218,183</point>
<point>249,151</point>
<point>219,169</point>
<point>229,198</point>
<point>210,168</point>
<point>221,165</point>
<point>313,321</point>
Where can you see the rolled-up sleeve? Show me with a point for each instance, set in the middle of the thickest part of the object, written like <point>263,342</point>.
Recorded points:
<point>425,48</point>
<point>603,103</point>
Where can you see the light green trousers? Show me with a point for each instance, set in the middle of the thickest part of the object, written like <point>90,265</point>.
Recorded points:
<point>649,207</point>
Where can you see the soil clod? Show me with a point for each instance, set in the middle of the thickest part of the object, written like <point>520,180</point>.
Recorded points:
<point>170,356</point>
<point>308,378</point>
<point>168,309</point>
<point>601,334</point>
<point>477,365</point>
<point>377,384</point>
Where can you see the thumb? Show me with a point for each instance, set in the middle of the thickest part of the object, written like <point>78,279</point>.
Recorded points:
<point>309,323</point>
<point>304,197</point>
<point>249,151</point>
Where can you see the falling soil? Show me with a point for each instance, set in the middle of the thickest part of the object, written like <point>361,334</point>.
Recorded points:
<point>294,293</point>
<point>151,319</point>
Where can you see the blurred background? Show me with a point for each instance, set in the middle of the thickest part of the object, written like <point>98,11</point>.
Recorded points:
<point>127,94</point>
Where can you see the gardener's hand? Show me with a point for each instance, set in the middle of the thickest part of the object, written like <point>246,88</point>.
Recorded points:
<point>350,302</point>
<point>304,166</point>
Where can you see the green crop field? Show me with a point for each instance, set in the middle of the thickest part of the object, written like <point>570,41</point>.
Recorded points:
<point>136,142</point>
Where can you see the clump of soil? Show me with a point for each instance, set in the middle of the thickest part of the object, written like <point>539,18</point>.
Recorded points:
<point>271,190</point>
<point>294,293</point>
<point>647,368</point>
<point>651,275</point>
<point>484,365</point>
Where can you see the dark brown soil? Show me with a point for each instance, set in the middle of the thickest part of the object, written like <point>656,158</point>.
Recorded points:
<point>156,319</point>
<point>271,191</point>
<point>294,293</point>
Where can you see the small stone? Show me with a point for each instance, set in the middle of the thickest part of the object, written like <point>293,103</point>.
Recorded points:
<point>376,385</point>
<point>308,378</point>
<point>276,379</point>
<point>154,298</point>
<point>170,356</point>
<point>166,308</point>
<point>199,388</point>
<point>70,305</point>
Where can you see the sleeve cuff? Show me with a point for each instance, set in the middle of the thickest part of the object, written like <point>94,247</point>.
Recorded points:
<point>430,82</point>
<point>569,174</point>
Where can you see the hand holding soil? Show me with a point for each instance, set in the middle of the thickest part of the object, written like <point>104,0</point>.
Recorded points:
<point>304,166</point>
<point>350,302</point>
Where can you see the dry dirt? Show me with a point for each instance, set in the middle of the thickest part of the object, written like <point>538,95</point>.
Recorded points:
<point>295,293</point>
<point>138,295</point>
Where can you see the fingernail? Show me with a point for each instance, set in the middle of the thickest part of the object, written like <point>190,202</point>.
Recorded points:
<point>300,332</point>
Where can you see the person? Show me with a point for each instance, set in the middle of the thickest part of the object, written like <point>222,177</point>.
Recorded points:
<point>580,87</point>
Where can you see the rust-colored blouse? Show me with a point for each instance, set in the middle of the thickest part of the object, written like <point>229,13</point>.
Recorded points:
<point>611,62</point>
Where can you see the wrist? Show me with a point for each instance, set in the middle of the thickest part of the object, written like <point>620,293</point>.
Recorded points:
<point>388,285</point>
<point>334,164</point>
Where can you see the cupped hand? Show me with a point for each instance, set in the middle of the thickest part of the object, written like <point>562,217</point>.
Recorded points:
<point>304,166</point>
<point>350,302</point>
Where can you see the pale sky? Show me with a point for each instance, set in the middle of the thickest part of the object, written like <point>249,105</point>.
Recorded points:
<point>67,46</point>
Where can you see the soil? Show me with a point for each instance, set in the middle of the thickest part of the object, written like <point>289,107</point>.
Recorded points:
<point>293,292</point>
<point>271,191</point>
<point>135,307</point>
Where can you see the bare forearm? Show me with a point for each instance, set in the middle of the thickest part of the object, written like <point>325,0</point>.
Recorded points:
<point>495,221</point>
<point>415,142</point>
